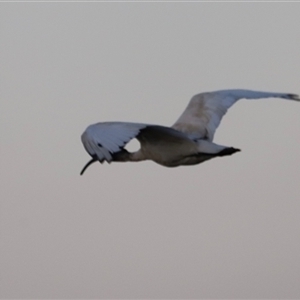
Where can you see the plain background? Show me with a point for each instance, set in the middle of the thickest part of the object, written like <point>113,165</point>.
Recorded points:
<point>228,228</point>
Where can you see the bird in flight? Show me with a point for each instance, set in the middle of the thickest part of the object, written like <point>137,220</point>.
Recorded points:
<point>188,142</point>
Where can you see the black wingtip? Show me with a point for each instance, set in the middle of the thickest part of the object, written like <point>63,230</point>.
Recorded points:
<point>94,159</point>
<point>293,97</point>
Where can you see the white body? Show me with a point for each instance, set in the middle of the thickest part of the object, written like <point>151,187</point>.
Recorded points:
<point>187,142</point>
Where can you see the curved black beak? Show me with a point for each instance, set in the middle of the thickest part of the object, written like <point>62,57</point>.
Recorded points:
<point>94,159</point>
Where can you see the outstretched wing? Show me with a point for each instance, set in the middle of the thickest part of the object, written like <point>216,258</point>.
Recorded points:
<point>102,140</point>
<point>205,111</point>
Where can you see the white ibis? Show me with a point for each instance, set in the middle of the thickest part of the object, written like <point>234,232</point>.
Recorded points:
<point>187,142</point>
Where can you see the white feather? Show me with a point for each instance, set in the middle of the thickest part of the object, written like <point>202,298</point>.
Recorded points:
<point>205,111</point>
<point>105,139</point>
<point>187,142</point>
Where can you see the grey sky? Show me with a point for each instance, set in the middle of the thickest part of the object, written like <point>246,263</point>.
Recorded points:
<point>227,228</point>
